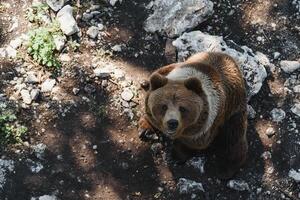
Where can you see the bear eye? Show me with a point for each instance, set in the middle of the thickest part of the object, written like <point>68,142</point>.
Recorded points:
<point>164,107</point>
<point>182,109</point>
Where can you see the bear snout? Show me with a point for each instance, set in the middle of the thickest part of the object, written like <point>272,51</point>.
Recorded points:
<point>172,124</point>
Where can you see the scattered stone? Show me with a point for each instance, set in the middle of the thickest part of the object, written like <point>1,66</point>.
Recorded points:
<point>56,5</point>
<point>127,95</point>
<point>113,2</point>
<point>66,20</point>
<point>197,163</point>
<point>100,26</point>
<point>75,91</point>
<point>45,197</point>
<point>93,32</point>
<point>117,48</point>
<point>251,112</point>
<point>174,17</point>
<point>102,72</point>
<point>289,66</point>
<point>238,185</point>
<point>59,41</point>
<point>277,114</point>
<point>31,78</point>
<point>87,16</point>
<point>296,89</point>
<point>186,186</point>
<point>48,85</point>
<point>35,167</point>
<point>252,65</point>
<point>64,57</point>
<point>296,109</point>
<point>16,43</point>
<point>39,150</point>
<point>5,166</point>
<point>3,53</point>
<point>11,52</point>
<point>26,96</point>
<point>295,175</point>
<point>34,94</point>
<point>276,55</point>
<point>270,132</point>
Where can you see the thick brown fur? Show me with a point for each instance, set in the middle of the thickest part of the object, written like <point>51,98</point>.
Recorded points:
<point>189,100</point>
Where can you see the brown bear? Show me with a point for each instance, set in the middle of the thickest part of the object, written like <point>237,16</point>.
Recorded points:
<point>198,102</point>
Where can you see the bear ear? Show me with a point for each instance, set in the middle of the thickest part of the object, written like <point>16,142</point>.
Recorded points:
<point>194,84</point>
<point>157,81</point>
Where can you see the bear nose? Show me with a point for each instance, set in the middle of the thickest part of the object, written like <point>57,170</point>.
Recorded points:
<point>172,124</point>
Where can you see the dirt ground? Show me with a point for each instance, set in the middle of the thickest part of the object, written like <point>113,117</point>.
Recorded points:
<point>93,149</point>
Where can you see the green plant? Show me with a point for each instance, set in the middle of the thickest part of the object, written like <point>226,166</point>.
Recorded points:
<point>10,131</point>
<point>37,12</point>
<point>41,46</point>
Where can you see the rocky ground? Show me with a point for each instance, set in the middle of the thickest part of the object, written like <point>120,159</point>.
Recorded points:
<point>81,119</point>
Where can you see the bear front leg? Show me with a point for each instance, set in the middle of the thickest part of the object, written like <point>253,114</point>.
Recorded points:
<point>232,145</point>
<point>145,129</point>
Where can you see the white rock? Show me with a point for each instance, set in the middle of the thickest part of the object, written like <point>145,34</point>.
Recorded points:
<point>117,48</point>
<point>295,175</point>
<point>11,52</point>
<point>296,89</point>
<point>66,20</point>
<point>75,91</point>
<point>26,96</point>
<point>35,167</point>
<point>5,167</point>
<point>3,53</point>
<point>127,95</point>
<point>31,78</point>
<point>238,185</point>
<point>266,155</point>
<point>276,55</point>
<point>45,197</point>
<point>93,32</point>
<point>55,4</point>
<point>296,109</point>
<point>113,2</point>
<point>59,41</point>
<point>48,85</point>
<point>252,65</point>
<point>64,57</point>
<point>289,66</point>
<point>277,114</point>
<point>16,43</point>
<point>102,72</point>
<point>197,163</point>
<point>174,17</point>
<point>186,186</point>
<point>34,94</point>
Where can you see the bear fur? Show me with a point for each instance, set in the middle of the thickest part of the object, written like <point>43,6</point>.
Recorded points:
<point>199,102</point>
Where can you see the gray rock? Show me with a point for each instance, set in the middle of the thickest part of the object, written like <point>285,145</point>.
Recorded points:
<point>295,175</point>
<point>174,17</point>
<point>252,65</point>
<point>251,112</point>
<point>296,89</point>
<point>56,5</point>
<point>102,72</point>
<point>34,94</point>
<point>127,95</point>
<point>186,186</point>
<point>87,16</point>
<point>197,163</point>
<point>113,2</point>
<point>277,114</point>
<point>16,43</point>
<point>93,32</point>
<point>26,96</point>
<point>59,41</point>
<point>31,78</point>
<point>48,85</point>
<point>75,91</point>
<point>289,66</point>
<point>238,185</point>
<point>66,20</point>
<point>45,197</point>
<point>117,48</point>
<point>296,109</point>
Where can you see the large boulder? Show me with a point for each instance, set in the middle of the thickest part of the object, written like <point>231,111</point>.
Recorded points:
<point>251,64</point>
<point>173,17</point>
